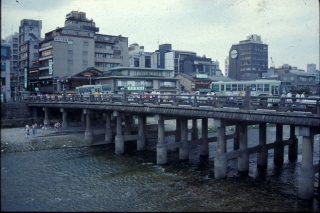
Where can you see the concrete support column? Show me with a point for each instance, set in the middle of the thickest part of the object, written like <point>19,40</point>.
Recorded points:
<point>34,113</point>
<point>195,132</point>
<point>119,139</point>
<point>279,149</point>
<point>141,143</point>
<point>178,130</point>
<point>64,123</point>
<point>220,159</point>
<point>184,148</point>
<point>83,120</point>
<point>108,135</point>
<point>88,134</point>
<point>293,148</point>
<point>204,147</point>
<point>262,157</point>
<point>127,125</point>
<point>306,173</point>
<point>161,146</point>
<point>46,116</point>
<point>236,140</point>
<point>243,160</point>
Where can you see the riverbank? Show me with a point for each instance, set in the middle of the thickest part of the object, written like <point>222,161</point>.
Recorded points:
<point>13,139</point>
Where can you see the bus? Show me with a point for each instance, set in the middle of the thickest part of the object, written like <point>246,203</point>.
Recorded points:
<point>91,89</point>
<point>259,87</point>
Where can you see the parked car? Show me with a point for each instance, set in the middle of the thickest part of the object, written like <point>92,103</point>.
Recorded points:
<point>134,97</point>
<point>311,101</point>
<point>116,98</point>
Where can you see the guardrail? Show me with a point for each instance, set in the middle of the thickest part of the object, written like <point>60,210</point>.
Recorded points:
<point>250,103</point>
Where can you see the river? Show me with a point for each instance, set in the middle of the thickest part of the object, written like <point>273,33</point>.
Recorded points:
<point>96,179</point>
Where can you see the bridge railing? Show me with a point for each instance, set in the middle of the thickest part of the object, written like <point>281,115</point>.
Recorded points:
<point>254,102</point>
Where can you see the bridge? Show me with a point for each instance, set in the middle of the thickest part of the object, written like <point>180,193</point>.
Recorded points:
<point>241,113</point>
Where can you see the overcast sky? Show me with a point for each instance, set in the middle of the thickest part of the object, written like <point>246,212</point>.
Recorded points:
<point>207,27</point>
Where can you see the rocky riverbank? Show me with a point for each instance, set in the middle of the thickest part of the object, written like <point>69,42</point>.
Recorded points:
<point>13,140</point>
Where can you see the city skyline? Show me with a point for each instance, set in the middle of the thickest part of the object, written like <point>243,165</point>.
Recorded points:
<point>209,28</point>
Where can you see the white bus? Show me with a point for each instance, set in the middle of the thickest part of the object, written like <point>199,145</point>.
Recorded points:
<point>258,87</point>
<point>91,89</point>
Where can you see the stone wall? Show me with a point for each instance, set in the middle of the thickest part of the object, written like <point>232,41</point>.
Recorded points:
<point>15,110</point>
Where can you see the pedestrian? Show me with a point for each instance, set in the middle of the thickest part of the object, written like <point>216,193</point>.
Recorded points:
<point>270,100</point>
<point>289,101</point>
<point>56,126</point>
<point>282,98</point>
<point>189,98</point>
<point>59,125</point>
<point>303,100</point>
<point>298,100</point>
<point>241,94</point>
<point>33,129</point>
<point>231,97</point>
<point>214,98</point>
<point>208,97</point>
<point>26,131</point>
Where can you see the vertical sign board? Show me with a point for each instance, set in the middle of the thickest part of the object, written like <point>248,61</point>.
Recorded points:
<point>50,67</point>
<point>25,77</point>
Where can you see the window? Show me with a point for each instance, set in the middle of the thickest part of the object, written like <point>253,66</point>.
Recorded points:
<point>99,55</point>
<point>228,87</point>
<point>108,47</point>
<point>260,87</point>
<point>35,55</point>
<point>70,62</point>
<point>84,62</point>
<point>240,86</point>
<point>253,87</point>
<point>35,47</point>
<point>291,78</point>
<point>70,51</point>
<point>234,87</point>
<point>84,52</point>
<point>266,87</point>
<point>85,43</point>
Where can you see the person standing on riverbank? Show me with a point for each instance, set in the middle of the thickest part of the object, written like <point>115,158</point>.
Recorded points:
<point>26,131</point>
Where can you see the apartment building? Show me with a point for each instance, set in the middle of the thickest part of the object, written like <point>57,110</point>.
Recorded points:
<point>71,49</point>
<point>248,59</point>
<point>29,38</point>
<point>139,58</point>
<point>5,71</point>
<point>13,40</point>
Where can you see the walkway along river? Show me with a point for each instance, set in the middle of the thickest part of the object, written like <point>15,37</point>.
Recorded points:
<point>96,179</point>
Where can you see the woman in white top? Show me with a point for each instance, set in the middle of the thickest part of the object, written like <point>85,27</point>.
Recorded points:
<point>303,100</point>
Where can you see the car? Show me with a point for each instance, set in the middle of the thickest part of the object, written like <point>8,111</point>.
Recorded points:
<point>311,101</point>
<point>133,97</point>
<point>116,98</point>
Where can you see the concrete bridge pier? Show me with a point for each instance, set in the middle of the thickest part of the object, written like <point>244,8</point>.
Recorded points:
<point>184,148</point>
<point>306,173</point>
<point>278,148</point>
<point>108,135</point>
<point>220,159</point>
<point>127,124</point>
<point>236,140</point>
<point>88,134</point>
<point>195,132</point>
<point>64,123</point>
<point>161,146</point>
<point>243,160</point>
<point>141,142</point>
<point>46,116</point>
<point>177,136</point>
<point>83,120</point>
<point>293,147</point>
<point>262,157</point>
<point>204,147</point>
<point>119,139</point>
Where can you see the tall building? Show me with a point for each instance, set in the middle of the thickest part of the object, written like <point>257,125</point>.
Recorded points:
<point>248,59</point>
<point>77,46</point>
<point>5,71</point>
<point>139,58</point>
<point>13,40</point>
<point>29,38</point>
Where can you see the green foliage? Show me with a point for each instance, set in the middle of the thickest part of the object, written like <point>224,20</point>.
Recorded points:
<point>306,90</point>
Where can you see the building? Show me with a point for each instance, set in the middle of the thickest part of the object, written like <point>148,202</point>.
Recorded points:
<point>29,38</point>
<point>5,71</point>
<point>13,40</point>
<point>312,70</point>
<point>299,80</point>
<point>136,79</point>
<point>77,46</point>
<point>139,58</point>
<point>248,59</point>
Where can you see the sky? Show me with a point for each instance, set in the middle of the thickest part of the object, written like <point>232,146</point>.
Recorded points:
<point>207,27</point>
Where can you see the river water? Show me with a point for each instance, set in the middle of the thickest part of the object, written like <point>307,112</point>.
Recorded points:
<point>96,179</point>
